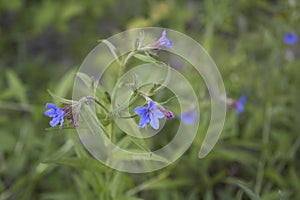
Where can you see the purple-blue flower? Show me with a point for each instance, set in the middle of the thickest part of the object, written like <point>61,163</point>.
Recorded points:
<point>290,38</point>
<point>164,41</point>
<point>189,117</point>
<point>56,113</point>
<point>240,104</point>
<point>149,114</point>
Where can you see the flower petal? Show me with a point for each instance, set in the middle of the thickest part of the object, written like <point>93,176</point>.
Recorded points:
<point>54,121</point>
<point>144,120</point>
<point>61,123</point>
<point>164,41</point>
<point>239,108</point>
<point>164,33</point>
<point>240,104</point>
<point>50,113</point>
<point>141,110</point>
<point>243,99</point>
<point>157,114</point>
<point>60,112</point>
<point>154,122</point>
<point>51,105</point>
<point>151,105</point>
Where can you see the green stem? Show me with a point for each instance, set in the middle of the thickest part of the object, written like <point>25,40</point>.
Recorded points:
<point>265,140</point>
<point>111,138</point>
<point>97,102</point>
<point>123,65</point>
<point>122,107</point>
<point>128,117</point>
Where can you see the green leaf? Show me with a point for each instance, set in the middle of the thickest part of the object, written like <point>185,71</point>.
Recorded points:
<point>146,58</point>
<point>60,99</point>
<point>80,163</point>
<point>113,50</point>
<point>163,85</point>
<point>243,186</point>
<point>140,156</point>
<point>65,85</point>
<point>7,142</point>
<point>235,154</point>
<point>70,10</point>
<point>140,143</point>
<point>158,182</point>
<point>16,88</point>
<point>88,81</point>
<point>97,90</point>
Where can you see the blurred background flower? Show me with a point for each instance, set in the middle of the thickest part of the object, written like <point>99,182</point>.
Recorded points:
<point>189,117</point>
<point>290,38</point>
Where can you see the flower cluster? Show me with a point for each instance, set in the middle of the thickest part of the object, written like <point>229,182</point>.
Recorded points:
<point>152,111</point>
<point>58,114</point>
<point>149,114</point>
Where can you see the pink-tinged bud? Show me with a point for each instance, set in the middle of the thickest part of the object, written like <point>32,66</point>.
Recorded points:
<point>168,114</point>
<point>74,123</point>
<point>232,102</point>
<point>75,119</point>
<point>71,114</point>
<point>68,108</point>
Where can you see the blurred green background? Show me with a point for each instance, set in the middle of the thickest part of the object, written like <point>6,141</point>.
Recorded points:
<point>43,43</point>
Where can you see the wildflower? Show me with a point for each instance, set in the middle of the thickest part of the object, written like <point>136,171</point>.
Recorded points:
<point>239,105</point>
<point>290,38</point>
<point>188,117</point>
<point>162,42</point>
<point>149,114</point>
<point>56,113</point>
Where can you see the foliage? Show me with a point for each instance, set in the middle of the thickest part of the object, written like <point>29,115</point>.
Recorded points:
<point>42,44</point>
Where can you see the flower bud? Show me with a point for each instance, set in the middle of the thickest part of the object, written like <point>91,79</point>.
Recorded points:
<point>168,114</point>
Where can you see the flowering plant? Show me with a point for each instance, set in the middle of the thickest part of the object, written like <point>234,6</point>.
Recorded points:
<point>150,114</point>
<point>136,89</point>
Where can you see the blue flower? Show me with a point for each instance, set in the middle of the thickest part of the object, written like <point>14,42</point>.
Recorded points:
<point>149,114</point>
<point>56,113</point>
<point>290,38</point>
<point>164,41</point>
<point>188,117</point>
<point>240,104</point>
